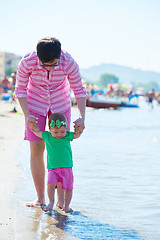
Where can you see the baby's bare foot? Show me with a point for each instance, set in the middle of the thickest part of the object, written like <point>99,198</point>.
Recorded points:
<point>49,207</point>
<point>59,206</point>
<point>68,210</point>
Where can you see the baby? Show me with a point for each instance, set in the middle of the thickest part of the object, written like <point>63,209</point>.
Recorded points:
<point>59,157</point>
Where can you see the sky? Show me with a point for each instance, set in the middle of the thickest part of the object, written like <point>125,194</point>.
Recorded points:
<point>124,32</point>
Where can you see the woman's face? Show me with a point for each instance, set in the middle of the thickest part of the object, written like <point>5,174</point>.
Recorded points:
<point>50,65</point>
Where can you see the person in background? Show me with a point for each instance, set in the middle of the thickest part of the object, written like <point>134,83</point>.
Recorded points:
<point>13,83</point>
<point>13,76</point>
<point>150,97</point>
<point>6,85</point>
<point>42,89</point>
<point>1,87</point>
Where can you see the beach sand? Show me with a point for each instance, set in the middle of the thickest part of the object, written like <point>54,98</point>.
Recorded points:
<point>12,224</point>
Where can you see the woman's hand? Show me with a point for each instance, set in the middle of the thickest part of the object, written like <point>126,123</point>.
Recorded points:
<point>79,125</point>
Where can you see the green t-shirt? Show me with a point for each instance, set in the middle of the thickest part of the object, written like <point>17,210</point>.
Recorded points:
<point>59,153</point>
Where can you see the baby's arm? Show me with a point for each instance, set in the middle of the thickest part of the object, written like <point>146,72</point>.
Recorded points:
<point>36,130</point>
<point>38,134</point>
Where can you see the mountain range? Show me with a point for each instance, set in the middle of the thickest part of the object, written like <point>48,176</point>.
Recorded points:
<point>126,75</point>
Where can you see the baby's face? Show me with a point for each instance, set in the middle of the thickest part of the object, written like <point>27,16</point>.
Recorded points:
<point>58,132</point>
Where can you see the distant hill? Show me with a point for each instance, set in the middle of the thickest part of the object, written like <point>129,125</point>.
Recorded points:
<point>126,75</point>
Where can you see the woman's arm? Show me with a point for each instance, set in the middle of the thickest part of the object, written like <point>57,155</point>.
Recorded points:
<point>22,79</point>
<point>81,104</point>
<point>75,81</point>
<point>79,123</point>
<point>29,118</point>
<point>24,105</point>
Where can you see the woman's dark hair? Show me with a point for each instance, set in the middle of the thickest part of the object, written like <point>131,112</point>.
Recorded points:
<point>48,49</point>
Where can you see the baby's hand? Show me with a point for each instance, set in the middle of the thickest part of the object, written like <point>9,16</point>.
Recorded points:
<point>77,134</point>
<point>35,127</point>
<point>32,123</point>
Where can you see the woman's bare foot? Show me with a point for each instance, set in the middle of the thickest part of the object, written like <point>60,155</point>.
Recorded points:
<point>49,207</point>
<point>36,203</point>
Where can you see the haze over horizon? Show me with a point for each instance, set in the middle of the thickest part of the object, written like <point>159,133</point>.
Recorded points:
<point>120,65</point>
<point>94,32</point>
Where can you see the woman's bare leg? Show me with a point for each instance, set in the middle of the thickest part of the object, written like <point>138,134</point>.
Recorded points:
<point>38,171</point>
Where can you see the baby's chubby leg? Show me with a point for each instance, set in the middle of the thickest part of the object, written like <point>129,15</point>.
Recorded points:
<point>60,195</point>
<point>51,193</point>
<point>68,197</point>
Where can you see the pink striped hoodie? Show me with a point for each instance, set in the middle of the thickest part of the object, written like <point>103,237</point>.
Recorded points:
<point>53,92</point>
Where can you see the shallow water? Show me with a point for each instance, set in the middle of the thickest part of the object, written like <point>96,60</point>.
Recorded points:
<point>117,179</point>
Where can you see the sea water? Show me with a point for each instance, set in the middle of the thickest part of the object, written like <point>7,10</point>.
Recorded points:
<point>116,179</point>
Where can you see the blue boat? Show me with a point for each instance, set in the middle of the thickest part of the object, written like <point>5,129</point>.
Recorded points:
<point>129,105</point>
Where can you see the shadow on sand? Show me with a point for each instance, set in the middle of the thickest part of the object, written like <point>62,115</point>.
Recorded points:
<point>83,227</point>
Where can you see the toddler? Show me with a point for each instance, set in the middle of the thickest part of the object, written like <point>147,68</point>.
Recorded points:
<point>59,157</point>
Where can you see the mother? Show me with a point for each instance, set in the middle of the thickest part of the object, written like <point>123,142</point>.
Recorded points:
<point>42,88</point>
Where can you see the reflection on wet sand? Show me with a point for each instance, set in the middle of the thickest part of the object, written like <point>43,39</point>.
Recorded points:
<point>76,226</point>
<point>45,226</point>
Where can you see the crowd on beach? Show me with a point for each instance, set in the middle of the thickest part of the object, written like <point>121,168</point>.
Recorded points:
<point>112,91</point>
<point>121,92</point>
<point>7,89</point>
